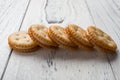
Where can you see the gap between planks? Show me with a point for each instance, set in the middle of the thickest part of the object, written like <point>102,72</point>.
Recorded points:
<point>9,56</point>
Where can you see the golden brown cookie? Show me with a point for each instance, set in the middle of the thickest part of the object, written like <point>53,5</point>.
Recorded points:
<point>78,36</point>
<point>21,41</point>
<point>101,39</point>
<point>98,47</point>
<point>61,45</point>
<point>58,35</point>
<point>39,34</point>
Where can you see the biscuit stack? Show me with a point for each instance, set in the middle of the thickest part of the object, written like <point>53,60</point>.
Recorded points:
<point>72,37</point>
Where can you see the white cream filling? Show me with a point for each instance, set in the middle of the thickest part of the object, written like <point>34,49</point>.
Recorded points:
<point>43,42</point>
<point>25,47</point>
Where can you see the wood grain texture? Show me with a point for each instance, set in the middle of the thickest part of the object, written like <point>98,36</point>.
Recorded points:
<point>54,11</point>
<point>106,16</point>
<point>59,64</point>
<point>11,14</point>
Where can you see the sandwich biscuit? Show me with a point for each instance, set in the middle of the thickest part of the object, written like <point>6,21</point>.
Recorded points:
<point>78,36</point>
<point>101,39</point>
<point>58,35</point>
<point>39,34</point>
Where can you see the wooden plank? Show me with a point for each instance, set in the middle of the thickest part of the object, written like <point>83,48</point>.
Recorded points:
<point>11,15</point>
<point>35,62</point>
<point>110,24</point>
<point>58,64</point>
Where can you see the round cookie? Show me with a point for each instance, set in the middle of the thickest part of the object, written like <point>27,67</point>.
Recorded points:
<point>101,39</point>
<point>39,34</point>
<point>21,41</point>
<point>78,36</point>
<point>58,35</point>
<point>60,44</point>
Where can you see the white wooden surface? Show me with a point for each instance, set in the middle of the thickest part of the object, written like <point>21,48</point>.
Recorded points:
<point>59,64</point>
<point>11,16</point>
